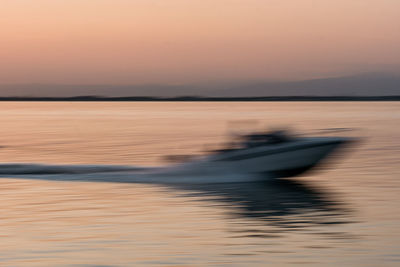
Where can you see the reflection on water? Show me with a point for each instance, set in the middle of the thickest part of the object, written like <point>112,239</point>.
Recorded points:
<point>284,203</point>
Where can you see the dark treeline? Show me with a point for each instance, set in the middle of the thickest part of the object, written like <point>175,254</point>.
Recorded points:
<point>198,98</point>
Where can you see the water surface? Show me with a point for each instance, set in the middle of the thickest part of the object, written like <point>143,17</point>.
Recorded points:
<point>346,214</point>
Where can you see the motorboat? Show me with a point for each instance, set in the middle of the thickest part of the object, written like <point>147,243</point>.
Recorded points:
<point>275,154</point>
<point>248,157</point>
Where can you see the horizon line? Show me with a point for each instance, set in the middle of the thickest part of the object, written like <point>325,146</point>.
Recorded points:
<point>96,98</point>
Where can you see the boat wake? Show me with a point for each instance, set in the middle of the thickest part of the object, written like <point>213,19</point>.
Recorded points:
<point>121,174</point>
<point>30,168</point>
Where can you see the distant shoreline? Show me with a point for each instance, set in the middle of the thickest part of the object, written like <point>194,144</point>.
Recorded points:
<point>201,99</point>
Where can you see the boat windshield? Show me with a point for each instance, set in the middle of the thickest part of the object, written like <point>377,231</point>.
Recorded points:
<point>256,140</point>
<point>270,138</point>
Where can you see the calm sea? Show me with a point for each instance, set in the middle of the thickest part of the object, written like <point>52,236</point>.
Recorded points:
<point>346,214</point>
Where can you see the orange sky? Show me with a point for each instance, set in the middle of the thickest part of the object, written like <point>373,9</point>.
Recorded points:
<point>180,41</point>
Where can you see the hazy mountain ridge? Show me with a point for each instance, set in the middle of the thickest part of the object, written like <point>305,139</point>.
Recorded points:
<point>359,85</point>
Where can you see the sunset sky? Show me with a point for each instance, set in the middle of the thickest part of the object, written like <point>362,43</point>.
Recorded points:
<point>188,41</point>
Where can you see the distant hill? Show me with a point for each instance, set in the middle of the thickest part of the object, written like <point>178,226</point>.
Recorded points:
<point>358,85</point>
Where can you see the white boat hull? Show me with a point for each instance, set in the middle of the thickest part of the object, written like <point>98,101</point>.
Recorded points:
<point>278,161</point>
